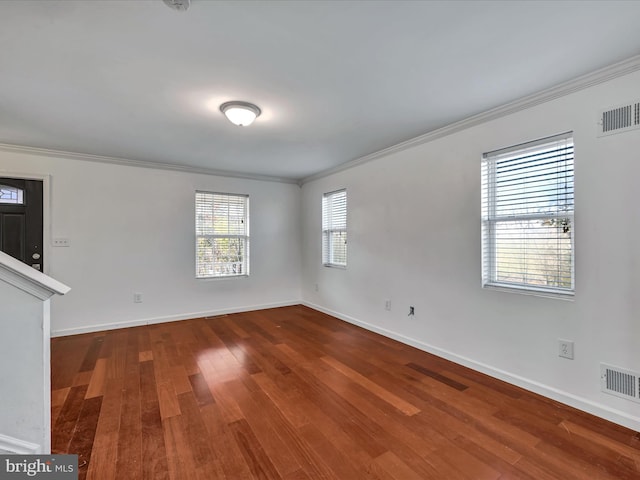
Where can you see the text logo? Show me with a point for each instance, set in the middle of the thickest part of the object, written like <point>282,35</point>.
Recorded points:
<point>51,467</point>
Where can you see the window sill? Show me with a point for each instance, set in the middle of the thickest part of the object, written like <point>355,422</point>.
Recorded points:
<point>333,265</point>
<point>223,277</point>
<point>536,292</point>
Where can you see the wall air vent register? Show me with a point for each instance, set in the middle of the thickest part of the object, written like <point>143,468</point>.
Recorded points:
<point>620,382</point>
<point>619,119</point>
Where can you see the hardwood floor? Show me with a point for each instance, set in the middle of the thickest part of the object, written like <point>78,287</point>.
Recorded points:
<point>291,393</point>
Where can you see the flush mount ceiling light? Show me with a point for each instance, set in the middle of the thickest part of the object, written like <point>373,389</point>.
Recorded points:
<point>179,5</point>
<point>240,113</point>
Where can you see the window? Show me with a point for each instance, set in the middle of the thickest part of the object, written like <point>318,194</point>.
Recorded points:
<point>334,229</point>
<point>527,216</point>
<point>11,195</point>
<point>222,235</point>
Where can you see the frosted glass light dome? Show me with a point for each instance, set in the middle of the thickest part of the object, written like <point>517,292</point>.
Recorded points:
<point>240,113</point>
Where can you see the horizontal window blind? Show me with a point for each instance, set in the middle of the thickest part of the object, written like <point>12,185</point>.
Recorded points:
<point>334,228</point>
<point>528,216</point>
<point>222,234</point>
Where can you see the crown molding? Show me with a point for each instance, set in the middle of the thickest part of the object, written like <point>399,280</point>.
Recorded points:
<point>7,147</point>
<point>596,77</point>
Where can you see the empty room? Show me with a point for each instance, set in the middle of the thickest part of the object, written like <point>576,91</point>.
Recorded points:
<point>320,239</point>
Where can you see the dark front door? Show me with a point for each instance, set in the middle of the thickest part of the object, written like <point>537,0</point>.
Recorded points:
<point>21,220</point>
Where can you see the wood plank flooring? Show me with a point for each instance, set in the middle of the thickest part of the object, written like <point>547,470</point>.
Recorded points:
<point>291,393</point>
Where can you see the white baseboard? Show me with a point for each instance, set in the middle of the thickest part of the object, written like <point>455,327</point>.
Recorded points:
<point>169,318</point>
<point>10,445</point>
<point>594,408</point>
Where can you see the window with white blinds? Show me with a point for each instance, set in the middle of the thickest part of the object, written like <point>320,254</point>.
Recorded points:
<point>222,235</point>
<point>334,229</point>
<point>527,216</point>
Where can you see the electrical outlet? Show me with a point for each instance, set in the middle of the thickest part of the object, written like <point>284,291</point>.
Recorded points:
<point>387,305</point>
<point>565,349</point>
<point>137,298</point>
<point>316,287</point>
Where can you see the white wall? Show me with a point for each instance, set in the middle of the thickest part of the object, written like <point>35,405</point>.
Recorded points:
<point>132,230</point>
<point>414,238</point>
<point>22,370</point>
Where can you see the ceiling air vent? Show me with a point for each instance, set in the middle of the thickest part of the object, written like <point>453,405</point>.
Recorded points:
<point>619,119</point>
<point>620,382</point>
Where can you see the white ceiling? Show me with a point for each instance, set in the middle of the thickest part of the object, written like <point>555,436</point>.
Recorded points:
<point>336,80</point>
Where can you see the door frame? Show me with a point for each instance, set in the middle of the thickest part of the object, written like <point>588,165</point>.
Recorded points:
<point>46,210</point>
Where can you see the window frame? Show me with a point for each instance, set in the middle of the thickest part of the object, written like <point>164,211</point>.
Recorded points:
<point>490,219</point>
<point>245,238</point>
<point>329,229</point>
